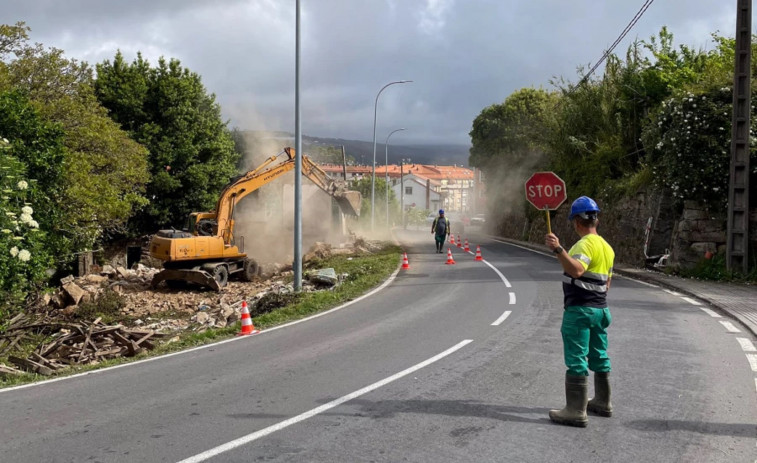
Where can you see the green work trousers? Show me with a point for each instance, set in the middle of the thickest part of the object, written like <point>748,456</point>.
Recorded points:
<point>440,240</point>
<point>584,336</point>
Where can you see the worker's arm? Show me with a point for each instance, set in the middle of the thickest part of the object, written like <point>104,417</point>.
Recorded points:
<point>433,226</point>
<point>573,267</point>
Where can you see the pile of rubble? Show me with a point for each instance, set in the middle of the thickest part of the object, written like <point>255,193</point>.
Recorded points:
<point>147,314</point>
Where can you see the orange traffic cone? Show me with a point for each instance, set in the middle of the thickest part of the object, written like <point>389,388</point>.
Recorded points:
<point>247,326</point>
<point>450,260</point>
<point>478,253</point>
<point>451,239</point>
<point>459,242</point>
<point>466,248</point>
<point>405,263</point>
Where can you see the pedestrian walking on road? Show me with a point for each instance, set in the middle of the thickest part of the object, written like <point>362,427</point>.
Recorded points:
<point>587,270</point>
<point>441,230</point>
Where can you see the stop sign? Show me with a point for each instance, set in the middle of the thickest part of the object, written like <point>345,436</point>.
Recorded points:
<point>545,190</point>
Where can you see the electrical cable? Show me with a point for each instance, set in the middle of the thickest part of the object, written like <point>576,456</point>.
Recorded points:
<point>617,41</point>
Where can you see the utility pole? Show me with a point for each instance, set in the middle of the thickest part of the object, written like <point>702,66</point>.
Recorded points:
<point>297,264</point>
<point>737,249</point>
<point>344,163</point>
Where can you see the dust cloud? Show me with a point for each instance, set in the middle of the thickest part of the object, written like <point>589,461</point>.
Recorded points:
<point>506,197</point>
<point>265,218</point>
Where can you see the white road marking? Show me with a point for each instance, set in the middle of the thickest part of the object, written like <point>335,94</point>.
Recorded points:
<point>205,346</point>
<point>672,292</point>
<point>752,361</point>
<point>502,318</point>
<point>746,345</point>
<point>512,298</point>
<point>502,277</point>
<point>710,312</point>
<point>637,281</point>
<point>755,386</point>
<point>729,326</point>
<point>309,414</point>
<point>690,300</point>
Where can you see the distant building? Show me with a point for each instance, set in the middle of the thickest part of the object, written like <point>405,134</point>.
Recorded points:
<point>419,192</point>
<point>456,188</point>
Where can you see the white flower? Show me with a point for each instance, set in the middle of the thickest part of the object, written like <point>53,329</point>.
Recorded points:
<point>27,210</point>
<point>6,231</point>
<point>22,185</point>
<point>33,224</point>
<point>25,218</point>
<point>5,140</point>
<point>14,251</point>
<point>10,214</point>
<point>24,255</point>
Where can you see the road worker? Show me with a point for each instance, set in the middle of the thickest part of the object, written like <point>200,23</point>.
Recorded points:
<point>587,270</point>
<point>440,229</point>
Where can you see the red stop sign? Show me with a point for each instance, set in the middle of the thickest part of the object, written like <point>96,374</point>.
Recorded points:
<point>545,190</point>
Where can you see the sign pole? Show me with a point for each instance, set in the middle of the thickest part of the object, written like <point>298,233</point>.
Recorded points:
<point>549,225</point>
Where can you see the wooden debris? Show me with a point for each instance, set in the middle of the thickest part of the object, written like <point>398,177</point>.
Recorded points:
<point>77,343</point>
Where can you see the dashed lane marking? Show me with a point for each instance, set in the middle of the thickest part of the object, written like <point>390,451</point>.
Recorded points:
<point>752,361</point>
<point>710,312</point>
<point>691,301</point>
<point>496,270</point>
<point>746,345</point>
<point>502,318</point>
<point>729,326</point>
<point>512,298</point>
<point>672,292</point>
<point>309,414</point>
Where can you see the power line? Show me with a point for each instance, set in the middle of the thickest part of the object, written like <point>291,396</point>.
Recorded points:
<point>631,24</point>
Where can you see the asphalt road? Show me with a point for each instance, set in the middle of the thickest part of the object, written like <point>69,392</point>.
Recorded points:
<point>428,369</point>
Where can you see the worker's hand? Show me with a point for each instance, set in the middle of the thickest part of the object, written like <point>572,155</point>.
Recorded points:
<point>552,241</point>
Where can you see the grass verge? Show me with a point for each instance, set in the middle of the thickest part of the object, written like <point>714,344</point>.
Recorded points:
<point>365,272</point>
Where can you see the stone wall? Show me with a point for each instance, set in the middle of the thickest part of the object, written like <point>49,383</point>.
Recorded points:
<point>688,235</point>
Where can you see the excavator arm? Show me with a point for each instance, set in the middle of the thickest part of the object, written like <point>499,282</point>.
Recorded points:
<point>269,170</point>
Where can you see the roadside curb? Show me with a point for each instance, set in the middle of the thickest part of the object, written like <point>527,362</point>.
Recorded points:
<point>650,278</point>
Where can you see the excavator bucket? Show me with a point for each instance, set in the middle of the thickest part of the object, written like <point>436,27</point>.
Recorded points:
<point>349,202</point>
<point>200,277</point>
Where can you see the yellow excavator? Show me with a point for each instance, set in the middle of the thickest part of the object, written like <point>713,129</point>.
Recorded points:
<point>207,252</point>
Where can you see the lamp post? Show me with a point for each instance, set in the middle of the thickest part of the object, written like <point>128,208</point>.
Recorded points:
<point>386,171</point>
<point>402,190</point>
<point>373,174</point>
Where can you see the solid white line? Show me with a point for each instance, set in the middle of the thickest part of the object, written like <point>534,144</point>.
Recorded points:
<point>755,386</point>
<point>334,403</point>
<point>640,282</point>
<point>746,345</point>
<point>512,298</point>
<point>729,326</point>
<point>205,346</point>
<point>521,247</point>
<point>752,361</point>
<point>502,318</point>
<point>690,300</point>
<point>710,312</point>
<point>672,292</point>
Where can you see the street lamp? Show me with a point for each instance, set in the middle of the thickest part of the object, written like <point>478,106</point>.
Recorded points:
<point>373,174</point>
<point>386,172</point>
<point>402,190</point>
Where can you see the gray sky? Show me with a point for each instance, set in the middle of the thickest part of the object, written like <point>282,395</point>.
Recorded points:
<point>462,55</point>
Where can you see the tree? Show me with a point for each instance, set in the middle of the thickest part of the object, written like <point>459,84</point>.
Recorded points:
<point>103,175</point>
<point>191,152</point>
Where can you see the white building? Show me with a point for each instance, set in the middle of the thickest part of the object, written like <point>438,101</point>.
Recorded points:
<point>419,192</point>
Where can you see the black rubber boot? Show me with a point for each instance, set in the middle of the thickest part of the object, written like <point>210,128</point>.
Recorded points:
<point>601,404</point>
<point>576,397</point>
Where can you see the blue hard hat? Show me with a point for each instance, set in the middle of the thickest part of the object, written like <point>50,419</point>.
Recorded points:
<point>441,211</point>
<point>583,207</point>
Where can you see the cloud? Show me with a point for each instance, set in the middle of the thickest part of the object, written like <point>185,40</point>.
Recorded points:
<point>462,56</point>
